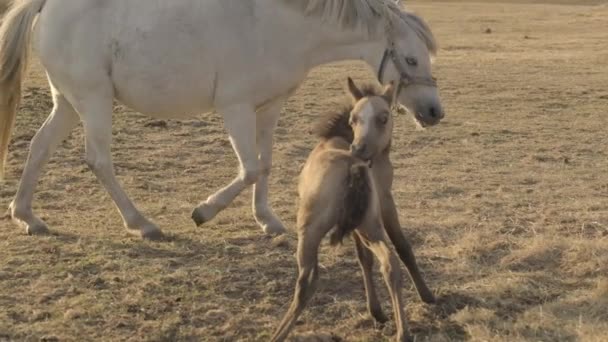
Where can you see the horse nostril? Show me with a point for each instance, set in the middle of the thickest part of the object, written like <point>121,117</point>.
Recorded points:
<point>433,112</point>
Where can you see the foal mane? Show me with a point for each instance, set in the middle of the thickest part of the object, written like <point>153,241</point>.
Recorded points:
<point>368,14</point>
<point>335,123</point>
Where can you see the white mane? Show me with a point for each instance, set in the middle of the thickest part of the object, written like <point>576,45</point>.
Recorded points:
<point>368,14</point>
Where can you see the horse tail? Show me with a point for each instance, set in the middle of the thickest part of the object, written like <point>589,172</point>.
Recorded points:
<point>356,202</point>
<point>15,36</point>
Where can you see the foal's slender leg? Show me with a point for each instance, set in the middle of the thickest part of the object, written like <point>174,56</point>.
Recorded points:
<point>366,261</point>
<point>308,247</point>
<point>95,109</point>
<point>266,122</point>
<point>403,247</point>
<point>240,122</point>
<point>372,236</point>
<point>57,127</point>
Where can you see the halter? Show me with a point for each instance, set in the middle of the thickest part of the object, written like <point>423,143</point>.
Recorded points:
<point>405,79</point>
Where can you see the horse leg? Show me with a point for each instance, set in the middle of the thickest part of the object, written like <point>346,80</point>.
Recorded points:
<point>403,247</point>
<point>366,261</point>
<point>308,246</point>
<point>95,110</point>
<point>266,123</point>
<point>372,236</point>
<point>240,122</point>
<point>57,127</point>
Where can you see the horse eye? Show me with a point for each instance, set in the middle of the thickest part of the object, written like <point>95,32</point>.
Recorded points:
<point>411,61</point>
<point>383,119</point>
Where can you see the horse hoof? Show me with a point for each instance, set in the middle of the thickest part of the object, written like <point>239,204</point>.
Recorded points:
<point>153,235</point>
<point>37,229</point>
<point>274,229</point>
<point>203,214</point>
<point>272,225</point>
<point>198,217</point>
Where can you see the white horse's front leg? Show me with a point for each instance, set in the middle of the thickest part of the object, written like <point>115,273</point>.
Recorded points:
<point>266,123</point>
<point>240,122</point>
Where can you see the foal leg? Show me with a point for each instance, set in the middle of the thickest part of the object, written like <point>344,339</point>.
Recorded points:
<point>366,261</point>
<point>57,127</point>
<point>403,247</point>
<point>240,122</point>
<point>266,123</point>
<point>308,247</point>
<point>372,236</point>
<point>95,110</point>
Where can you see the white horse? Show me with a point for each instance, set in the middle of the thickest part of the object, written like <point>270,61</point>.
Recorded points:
<point>172,59</point>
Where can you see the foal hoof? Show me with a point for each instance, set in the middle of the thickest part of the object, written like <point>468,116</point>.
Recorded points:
<point>379,317</point>
<point>406,338</point>
<point>427,296</point>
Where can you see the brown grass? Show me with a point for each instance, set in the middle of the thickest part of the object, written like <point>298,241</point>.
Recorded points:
<point>4,5</point>
<point>506,203</point>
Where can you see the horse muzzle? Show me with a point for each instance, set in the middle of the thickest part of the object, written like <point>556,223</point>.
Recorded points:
<point>429,116</point>
<point>361,151</point>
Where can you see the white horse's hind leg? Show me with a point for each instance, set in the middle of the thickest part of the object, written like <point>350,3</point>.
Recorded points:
<point>266,122</point>
<point>57,127</point>
<point>96,112</point>
<point>240,122</point>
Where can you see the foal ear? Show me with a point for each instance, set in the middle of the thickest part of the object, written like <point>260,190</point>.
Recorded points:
<point>389,93</point>
<point>354,91</point>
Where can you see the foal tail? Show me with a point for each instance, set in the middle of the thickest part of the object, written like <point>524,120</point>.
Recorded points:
<point>356,202</point>
<point>15,36</point>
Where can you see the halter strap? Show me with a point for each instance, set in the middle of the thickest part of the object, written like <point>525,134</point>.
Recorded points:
<point>405,79</point>
<point>380,75</point>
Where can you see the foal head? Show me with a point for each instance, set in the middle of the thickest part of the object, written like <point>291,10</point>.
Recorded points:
<point>371,121</point>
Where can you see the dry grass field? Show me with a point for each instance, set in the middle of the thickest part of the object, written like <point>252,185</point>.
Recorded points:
<point>506,204</point>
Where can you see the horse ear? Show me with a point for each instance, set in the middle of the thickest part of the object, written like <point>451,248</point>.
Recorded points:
<point>389,93</point>
<point>354,91</point>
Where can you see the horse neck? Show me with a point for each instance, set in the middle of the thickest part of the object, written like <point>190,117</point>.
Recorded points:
<point>344,48</point>
<point>315,43</point>
<point>382,171</point>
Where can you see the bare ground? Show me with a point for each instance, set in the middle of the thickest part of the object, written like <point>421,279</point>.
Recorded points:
<point>506,203</point>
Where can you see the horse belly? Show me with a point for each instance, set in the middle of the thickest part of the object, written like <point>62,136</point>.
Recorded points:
<point>160,75</point>
<point>162,95</point>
